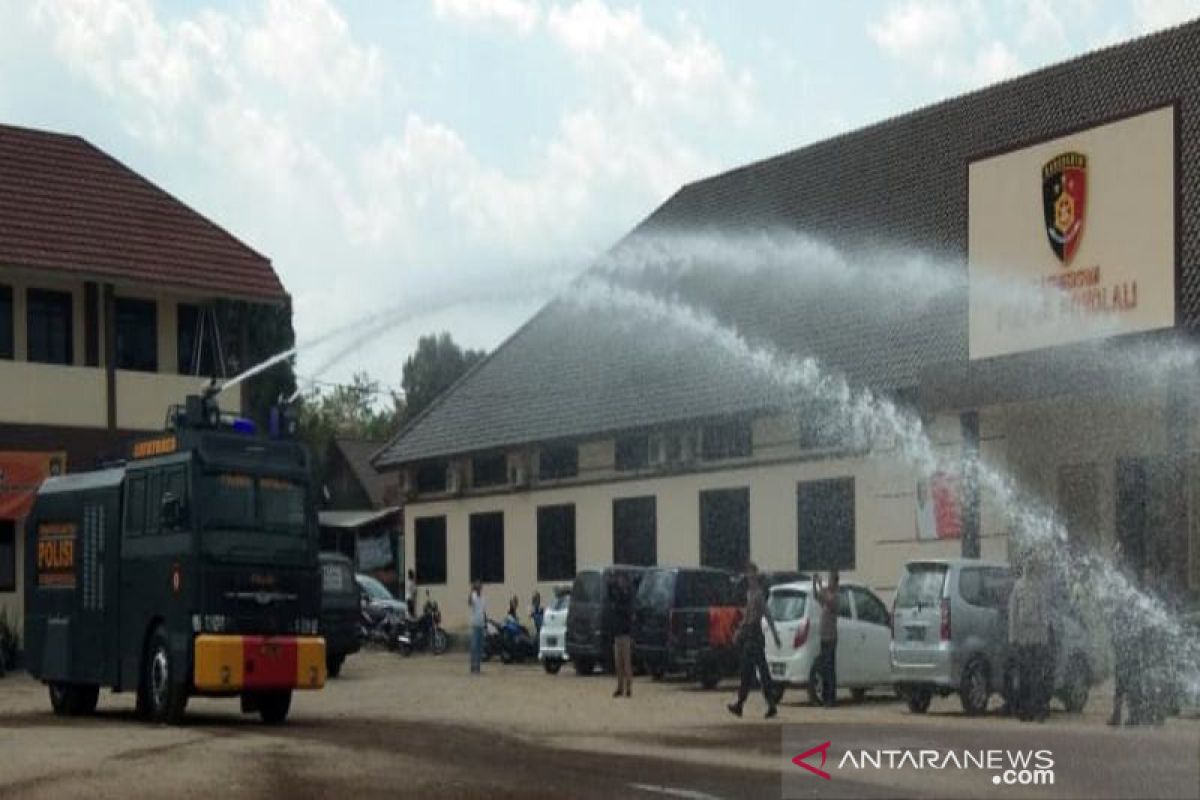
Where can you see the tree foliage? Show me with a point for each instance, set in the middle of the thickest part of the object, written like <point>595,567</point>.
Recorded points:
<point>437,363</point>
<point>262,330</point>
<point>350,411</point>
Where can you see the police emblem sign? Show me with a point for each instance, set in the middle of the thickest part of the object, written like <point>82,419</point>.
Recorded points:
<point>1073,238</point>
<point>1064,202</point>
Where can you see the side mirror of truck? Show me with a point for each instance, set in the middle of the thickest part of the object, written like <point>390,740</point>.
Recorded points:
<point>171,515</point>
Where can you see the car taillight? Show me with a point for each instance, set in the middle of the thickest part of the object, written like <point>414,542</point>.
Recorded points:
<point>945,619</point>
<point>801,635</point>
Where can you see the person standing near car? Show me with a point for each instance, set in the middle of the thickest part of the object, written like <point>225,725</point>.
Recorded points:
<point>749,637</point>
<point>478,621</point>
<point>827,599</point>
<point>1029,636</point>
<point>620,595</point>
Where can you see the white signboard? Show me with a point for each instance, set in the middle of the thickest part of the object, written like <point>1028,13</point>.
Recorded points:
<point>1074,238</point>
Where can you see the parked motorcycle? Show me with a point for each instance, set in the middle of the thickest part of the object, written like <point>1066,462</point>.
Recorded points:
<point>493,640</point>
<point>510,640</point>
<point>381,629</point>
<point>425,632</point>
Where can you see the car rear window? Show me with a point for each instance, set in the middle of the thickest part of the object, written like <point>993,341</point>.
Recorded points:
<point>698,589</point>
<point>787,605</point>
<point>988,587</point>
<point>655,589</point>
<point>588,588</point>
<point>922,585</point>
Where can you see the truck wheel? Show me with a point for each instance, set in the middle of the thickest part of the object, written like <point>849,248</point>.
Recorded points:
<point>333,665</point>
<point>273,707</point>
<point>974,690</point>
<point>552,665</point>
<point>166,697</point>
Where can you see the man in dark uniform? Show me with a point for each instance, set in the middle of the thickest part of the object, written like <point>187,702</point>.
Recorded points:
<point>749,637</point>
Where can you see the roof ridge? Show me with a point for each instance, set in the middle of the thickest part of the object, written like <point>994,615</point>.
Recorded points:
<point>441,398</point>
<point>934,106</point>
<point>140,178</point>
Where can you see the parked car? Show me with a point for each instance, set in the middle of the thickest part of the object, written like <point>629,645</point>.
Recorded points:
<point>589,625</point>
<point>863,636</point>
<point>552,643</point>
<point>950,634</point>
<point>339,610</point>
<point>684,619</point>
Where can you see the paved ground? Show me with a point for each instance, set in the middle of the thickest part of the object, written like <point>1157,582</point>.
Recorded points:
<point>423,728</point>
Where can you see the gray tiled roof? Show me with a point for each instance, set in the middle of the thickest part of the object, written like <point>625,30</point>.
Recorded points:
<point>573,371</point>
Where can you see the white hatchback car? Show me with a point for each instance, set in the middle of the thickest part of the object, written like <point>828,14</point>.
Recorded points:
<point>864,633</point>
<point>552,644</point>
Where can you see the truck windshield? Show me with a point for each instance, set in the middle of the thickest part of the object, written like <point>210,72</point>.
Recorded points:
<point>246,502</point>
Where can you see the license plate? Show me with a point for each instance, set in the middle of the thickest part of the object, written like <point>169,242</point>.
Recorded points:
<point>778,668</point>
<point>916,633</point>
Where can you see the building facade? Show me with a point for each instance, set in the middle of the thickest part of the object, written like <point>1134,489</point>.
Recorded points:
<point>1051,226</point>
<point>107,293</point>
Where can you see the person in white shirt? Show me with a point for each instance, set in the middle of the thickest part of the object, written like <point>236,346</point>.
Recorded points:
<point>478,621</point>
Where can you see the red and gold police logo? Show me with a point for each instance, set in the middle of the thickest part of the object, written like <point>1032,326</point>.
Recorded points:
<point>1064,202</point>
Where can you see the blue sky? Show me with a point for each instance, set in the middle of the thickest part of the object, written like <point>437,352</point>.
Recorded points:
<point>456,160</point>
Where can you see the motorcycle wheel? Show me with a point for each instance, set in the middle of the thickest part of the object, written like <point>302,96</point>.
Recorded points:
<point>440,642</point>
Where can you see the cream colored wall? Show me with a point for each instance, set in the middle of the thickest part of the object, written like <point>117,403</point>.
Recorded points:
<point>884,509</point>
<point>1027,441</point>
<point>76,396</point>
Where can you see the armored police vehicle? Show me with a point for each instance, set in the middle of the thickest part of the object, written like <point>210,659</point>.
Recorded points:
<point>190,570</point>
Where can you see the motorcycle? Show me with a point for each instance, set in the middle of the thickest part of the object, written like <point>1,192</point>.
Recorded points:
<point>425,632</point>
<point>384,629</point>
<point>509,640</point>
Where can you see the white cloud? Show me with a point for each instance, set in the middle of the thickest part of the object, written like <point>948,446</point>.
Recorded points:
<point>1152,15</point>
<point>687,74</point>
<point>521,15</point>
<point>287,104</point>
<point>305,46</point>
<point>911,30</point>
<point>996,62</point>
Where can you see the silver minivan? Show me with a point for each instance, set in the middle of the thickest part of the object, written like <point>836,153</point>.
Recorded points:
<point>950,634</point>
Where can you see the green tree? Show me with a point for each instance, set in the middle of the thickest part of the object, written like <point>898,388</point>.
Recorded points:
<point>437,363</point>
<point>252,333</point>
<point>350,411</point>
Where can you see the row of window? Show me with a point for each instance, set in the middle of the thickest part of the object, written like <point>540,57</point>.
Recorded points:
<point>50,332</point>
<point>824,537</point>
<point>633,452</point>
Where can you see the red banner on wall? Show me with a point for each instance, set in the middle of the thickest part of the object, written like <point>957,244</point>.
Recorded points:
<point>21,473</point>
<point>939,507</point>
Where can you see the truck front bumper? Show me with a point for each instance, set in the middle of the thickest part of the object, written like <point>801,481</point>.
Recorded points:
<point>230,663</point>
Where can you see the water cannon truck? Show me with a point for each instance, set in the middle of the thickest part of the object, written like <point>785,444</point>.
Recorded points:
<point>188,570</point>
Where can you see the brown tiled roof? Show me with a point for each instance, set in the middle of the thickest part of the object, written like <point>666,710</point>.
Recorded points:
<point>357,453</point>
<point>66,205</point>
